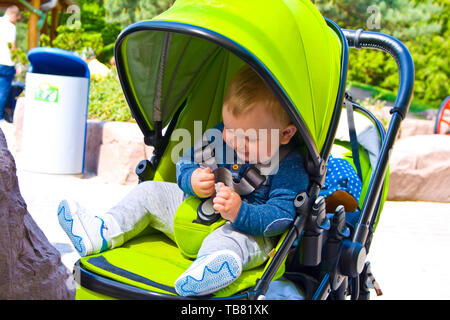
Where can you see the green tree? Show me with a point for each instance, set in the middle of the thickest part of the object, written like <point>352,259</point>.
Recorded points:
<point>74,39</point>
<point>125,12</point>
<point>92,31</point>
<point>346,13</point>
<point>403,19</point>
<point>407,20</point>
<point>421,25</point>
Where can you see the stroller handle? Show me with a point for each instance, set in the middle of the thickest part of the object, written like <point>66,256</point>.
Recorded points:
<point>367,39</point>
<point>374,40</point>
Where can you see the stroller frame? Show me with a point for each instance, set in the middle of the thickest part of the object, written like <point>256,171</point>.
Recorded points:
<point>343,261</point>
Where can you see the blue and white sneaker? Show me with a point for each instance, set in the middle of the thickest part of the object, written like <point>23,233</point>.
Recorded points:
<point>209,273</point>
<point>85,230</point>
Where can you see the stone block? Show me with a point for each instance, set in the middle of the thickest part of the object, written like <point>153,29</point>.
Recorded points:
<point>415,127</point>
<point>122,148</point>
<point>420,169</point>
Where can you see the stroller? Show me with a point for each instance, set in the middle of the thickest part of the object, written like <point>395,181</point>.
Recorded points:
<point>174,70</point>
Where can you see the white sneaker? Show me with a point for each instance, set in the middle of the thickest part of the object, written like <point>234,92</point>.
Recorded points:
<point>86,231</point>
<point>209,273</point>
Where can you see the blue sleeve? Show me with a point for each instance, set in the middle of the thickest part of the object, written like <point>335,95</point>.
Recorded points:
<point>276,215</point>
<point>184,169</point>
<point>186,166</point>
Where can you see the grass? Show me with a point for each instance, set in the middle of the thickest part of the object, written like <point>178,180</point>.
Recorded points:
<point>383,94</point>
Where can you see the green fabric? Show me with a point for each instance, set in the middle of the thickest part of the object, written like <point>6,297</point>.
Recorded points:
<point>203,103</point>
<point>342,149</point>
<point>188,235</point>
<point>302,54</point>
<point>157,258</point>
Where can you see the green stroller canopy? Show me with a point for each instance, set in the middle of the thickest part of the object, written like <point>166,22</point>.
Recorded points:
<point>161,61</point>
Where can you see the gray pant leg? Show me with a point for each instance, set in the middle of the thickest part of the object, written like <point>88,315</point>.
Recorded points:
<point>253,250</point>
<point>150,203</point>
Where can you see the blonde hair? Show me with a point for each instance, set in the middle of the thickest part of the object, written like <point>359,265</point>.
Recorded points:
<point>246,89</point>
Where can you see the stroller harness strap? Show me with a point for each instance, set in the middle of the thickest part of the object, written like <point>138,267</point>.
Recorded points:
<point>352,133</point>
<point>249,182</point>
<point>196,218</point>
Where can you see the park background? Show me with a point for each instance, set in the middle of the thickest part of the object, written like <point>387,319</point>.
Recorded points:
<point>410,255</point>
<point>90,28</point>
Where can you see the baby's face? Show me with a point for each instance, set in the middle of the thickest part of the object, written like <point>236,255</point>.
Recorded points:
<point>255,135</point>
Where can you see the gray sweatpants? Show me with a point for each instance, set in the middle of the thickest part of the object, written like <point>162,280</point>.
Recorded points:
<point>152,205</point>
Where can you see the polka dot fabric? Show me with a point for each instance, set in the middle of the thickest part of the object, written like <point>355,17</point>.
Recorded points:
<point>341,176</point>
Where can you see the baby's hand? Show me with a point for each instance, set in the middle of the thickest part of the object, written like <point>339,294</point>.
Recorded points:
<point>202,181</point>
<point>227,202</point>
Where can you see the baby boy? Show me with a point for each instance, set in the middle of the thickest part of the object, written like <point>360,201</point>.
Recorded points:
<point>253,220</point>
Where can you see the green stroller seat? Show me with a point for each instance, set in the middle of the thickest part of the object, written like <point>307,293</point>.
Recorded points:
<point>174,71</point>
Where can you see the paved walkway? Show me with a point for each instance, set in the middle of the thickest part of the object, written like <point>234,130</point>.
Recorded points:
<point>410,254</point>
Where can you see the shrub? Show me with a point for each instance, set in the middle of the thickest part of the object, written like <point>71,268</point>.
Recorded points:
<point>106,100</point>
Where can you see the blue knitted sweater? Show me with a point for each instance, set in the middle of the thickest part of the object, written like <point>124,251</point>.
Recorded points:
<point>267,211</point>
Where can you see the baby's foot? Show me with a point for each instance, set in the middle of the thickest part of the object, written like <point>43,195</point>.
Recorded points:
<point>209,273</point>
<point>88,233</point>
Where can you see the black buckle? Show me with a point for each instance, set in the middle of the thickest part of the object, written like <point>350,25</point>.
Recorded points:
<point>206,215</point>
<point>254,177</point>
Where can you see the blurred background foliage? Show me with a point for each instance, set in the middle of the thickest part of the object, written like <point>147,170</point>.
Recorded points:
<point>106,99</point>
<point>96,30</point>
<point>100,22</point>
<point>423,26</point>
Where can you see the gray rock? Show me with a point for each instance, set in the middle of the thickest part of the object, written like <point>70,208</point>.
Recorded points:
<point>30,267</point>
